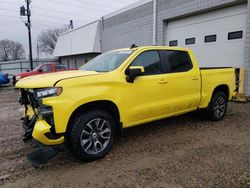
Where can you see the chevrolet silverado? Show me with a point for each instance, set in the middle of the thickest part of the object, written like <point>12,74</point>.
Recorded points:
<point>122,88</point>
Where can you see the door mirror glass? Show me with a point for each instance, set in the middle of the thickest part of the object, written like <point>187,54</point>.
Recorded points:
<point>133,72</point>
<point>40,70</point>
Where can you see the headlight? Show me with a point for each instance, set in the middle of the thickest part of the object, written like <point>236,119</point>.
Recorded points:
<point>48,92</point>
<point>18,77</point>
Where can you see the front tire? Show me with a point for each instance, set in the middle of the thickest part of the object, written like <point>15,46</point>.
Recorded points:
<point>91,134</point>
<point>217,107</point>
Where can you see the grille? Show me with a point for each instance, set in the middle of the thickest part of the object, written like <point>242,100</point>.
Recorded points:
<point>28,97</point>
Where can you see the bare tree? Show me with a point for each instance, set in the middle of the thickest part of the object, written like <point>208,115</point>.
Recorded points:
<point>47,39</point>
<point>11,50</point>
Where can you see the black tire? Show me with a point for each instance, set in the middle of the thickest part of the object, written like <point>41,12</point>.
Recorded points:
<point>79,132</point>
<point>217,107</point>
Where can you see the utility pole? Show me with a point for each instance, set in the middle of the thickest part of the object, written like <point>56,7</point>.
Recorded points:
<point>26,12</point>
<point>37,50</point>
<point>29,32</point>
<point>71,26</point>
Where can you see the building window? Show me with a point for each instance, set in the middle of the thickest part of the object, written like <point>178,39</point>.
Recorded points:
<point>173,43</point>
<point>235,35</point>
<point>210,38</point>
<point>190,41</point>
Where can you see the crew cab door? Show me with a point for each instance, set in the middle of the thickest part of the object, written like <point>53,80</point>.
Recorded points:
<point>146,95</point>
<point>183,82</point>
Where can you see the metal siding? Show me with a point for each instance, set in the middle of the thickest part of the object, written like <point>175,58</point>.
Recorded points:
<point>81,40</point>
<point>247,54</point>
<point>130,27</point>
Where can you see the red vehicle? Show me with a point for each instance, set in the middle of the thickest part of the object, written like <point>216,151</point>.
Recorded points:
<point>41,69</point>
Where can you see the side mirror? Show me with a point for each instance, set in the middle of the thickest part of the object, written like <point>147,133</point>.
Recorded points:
<point>40,70</point>
<point>27,70</point>
<point>133,72</point>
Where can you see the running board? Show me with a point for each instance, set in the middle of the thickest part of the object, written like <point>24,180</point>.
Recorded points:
<point>41,156</point>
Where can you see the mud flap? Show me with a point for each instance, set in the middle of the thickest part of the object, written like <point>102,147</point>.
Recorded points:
<point>40,157</point>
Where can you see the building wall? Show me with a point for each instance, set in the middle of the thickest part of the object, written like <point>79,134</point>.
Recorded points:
<point>77,60</point>
<point>247,54</point>
<point>131,27</point>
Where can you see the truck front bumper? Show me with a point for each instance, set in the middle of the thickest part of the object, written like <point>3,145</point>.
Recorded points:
<point>41,131</point>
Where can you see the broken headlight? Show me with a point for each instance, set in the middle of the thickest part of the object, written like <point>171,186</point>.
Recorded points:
<point>48,92</point>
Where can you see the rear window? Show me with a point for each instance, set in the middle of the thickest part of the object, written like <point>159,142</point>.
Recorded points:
<point>179,61</point>
<point>59,67</point>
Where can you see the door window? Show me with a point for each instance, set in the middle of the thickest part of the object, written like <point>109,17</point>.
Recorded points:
<point>179,61</point>
<point>151,62</point>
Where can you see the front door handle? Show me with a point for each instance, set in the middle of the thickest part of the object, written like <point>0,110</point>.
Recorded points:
<point>163,82</point>
<point>195,78</point>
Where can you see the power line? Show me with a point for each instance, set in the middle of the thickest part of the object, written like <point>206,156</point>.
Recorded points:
<point>36,20</point>
<point>62,12</point>
<point>10,10</point>
<point>67,4</point>
<point>46,16</point>
<point>94,4</point>
<point>58,17</point>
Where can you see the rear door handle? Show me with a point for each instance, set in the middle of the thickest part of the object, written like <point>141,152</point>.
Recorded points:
<point>163,82</point>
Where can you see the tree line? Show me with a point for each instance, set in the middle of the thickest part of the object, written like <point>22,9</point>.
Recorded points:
<point>13,50</point>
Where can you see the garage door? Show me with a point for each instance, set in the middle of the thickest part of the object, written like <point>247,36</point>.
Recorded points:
<point>217,38</point>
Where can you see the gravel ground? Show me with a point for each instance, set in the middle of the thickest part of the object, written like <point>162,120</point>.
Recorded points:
<point>185,151</point>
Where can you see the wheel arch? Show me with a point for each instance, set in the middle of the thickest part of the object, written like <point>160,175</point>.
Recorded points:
<point>222,88</point>
<point>106,105</point>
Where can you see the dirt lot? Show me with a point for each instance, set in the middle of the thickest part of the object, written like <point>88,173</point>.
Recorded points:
<point>178,152</point>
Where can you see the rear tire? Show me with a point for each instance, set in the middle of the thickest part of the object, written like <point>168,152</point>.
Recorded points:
<point>217,107</point>
<point>91,134</point>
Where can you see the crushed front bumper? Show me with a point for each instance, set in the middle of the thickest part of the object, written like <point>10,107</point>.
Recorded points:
<point>41,134</point>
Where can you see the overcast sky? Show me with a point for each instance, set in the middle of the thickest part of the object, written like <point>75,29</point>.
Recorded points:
<point>50,14</point>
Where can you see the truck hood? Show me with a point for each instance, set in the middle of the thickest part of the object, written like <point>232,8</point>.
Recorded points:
<point>48,80</point>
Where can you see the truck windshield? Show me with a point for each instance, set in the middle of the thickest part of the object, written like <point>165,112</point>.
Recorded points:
<point>107,62</point>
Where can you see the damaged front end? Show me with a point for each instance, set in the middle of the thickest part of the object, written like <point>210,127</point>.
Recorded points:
<point>38,121</point>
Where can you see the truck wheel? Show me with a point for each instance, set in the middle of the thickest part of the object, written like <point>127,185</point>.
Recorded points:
<point>91,135</point>
<point>217,107</point>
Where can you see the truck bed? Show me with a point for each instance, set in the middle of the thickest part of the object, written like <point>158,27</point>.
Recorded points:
<point>213,76</point>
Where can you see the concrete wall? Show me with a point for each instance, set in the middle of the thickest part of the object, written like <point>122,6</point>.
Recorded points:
<point>77,60</point>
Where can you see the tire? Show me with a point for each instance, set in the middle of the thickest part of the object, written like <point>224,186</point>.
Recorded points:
<point>91,134</point>
<point>217,107</point>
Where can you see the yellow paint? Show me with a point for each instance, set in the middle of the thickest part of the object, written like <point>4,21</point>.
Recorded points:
<point>149,98</point>
<point>242,80</point>
<point>40,129</point>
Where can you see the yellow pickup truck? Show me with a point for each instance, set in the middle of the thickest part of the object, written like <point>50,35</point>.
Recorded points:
<point>85,108</point>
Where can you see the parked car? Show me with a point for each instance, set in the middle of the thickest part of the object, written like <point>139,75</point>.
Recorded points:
<point>4,79</point>
<point>41,69</point>
<point>120,89</point>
